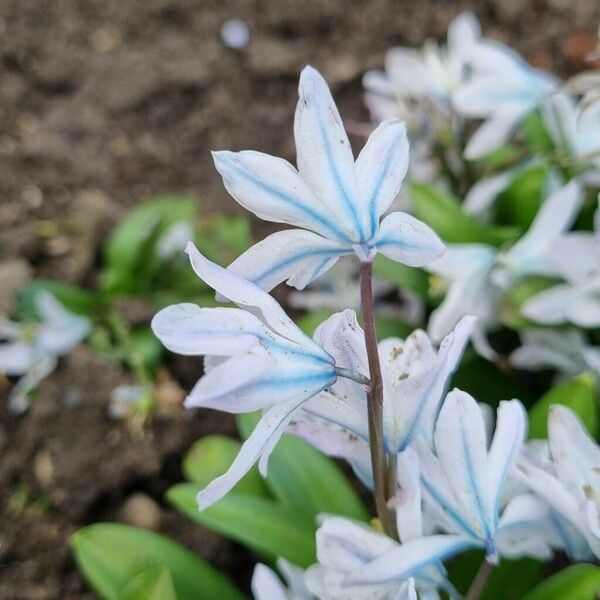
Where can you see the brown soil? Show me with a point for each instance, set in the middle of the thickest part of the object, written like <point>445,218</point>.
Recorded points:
<point>105,103</point>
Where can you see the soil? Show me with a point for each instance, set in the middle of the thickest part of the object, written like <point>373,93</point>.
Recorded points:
<point>104,103</point>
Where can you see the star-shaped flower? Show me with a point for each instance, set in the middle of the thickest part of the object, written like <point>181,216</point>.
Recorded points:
<point>335,202</point>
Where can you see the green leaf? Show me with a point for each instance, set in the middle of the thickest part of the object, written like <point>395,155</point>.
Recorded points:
<point>148,347</point>
<point>305,479</point>
<point>578,393</point>
<point>110,555</point>
<point>211,456</point>
<point>391,327</point>
<point>73,298</point>
<point>521,200</point>
<point>222,238</point>
<point>403,276</point>
<point>153,584</point>
<point>577,582</point>
<point>513,302</point>
<point>536,134</point>
<point>262,524</point>
<point>130,249</point>
<point>443,213</point>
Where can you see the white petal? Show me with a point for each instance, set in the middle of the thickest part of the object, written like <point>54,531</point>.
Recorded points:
<point>269,429</point>
<point>409,73</point>
<point>273,190</point>
<point>247,295</point>
<point>460,442</point>
<point>585,310</point>
<point>487,96</point>
<point>483,194</point>
<point>408,240</point>
<point>18,399</point>
<point>557,214</point>
<point>506,444</point>
<point>550,306</point>
<point>266,585</point>
<point>492,133</point>
<point>324,154</point>
<point>576,256</point>
<point>410,558</point>
<point>16,358</point>
<point>463,30</point>
<point>575,454</point>
<point>259,379</point>
<point>381,167</point>
<point>461,260</point>
<point>188,329</point>
<point>294,255</point>
<point>408,498</point>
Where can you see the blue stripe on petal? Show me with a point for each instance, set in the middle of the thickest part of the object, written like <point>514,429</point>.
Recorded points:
<point>323,221</point>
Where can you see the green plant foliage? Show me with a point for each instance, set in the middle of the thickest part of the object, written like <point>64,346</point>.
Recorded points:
<point>111,555</point>
<point>577,582</point>
<point>305,479</point>
<point>211,456</point>
<point>443,213</point>
<point>130,252</point>
<point>520,202</point>
<point>223,238</point>
<point>263,524</point>
<point>73,298</point>
<point>402,276</point>
<point>578,393</point>
<point>153,584</point>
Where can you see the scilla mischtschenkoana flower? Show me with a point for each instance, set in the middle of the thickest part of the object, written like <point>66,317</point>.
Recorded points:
<point>335,202</point>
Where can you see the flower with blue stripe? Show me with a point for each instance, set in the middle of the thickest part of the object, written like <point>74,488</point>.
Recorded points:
<point>335,202</point>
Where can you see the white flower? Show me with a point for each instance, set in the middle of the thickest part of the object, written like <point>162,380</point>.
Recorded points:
<point>431,74</point>
<point>578,140</point>
<point>263,361</point>
<point>30,350</point>
<point>464,480</point>
<point>357,562</point>
<point>267,586</point>
<point>567,351</point>
<point>415,379</point>
<point>576,258</point>
<point>174,240</point>
<point>502,90</point>
<point>571,485</point>
<point>336,202</point>
<point>479,274</point>
<point>587,85</point>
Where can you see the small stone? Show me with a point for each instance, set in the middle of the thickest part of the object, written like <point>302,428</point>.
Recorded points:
<point>43,469</point>
<point>140,510</point>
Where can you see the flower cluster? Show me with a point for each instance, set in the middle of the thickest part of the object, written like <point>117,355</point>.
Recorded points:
<point>446,474</point>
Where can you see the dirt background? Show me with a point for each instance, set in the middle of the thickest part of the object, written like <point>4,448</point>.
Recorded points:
<point>104,103</point>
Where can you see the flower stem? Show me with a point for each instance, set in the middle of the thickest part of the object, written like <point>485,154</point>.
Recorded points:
<point>375,402</point>
<point>480,581</point>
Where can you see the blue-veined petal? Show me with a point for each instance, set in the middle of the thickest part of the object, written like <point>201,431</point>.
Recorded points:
<point>268,430</point>
<point>409,559</point>
<point>190,330</point>
<point>273,190</point>
<point>550,306</point>
<point>403,238</point>
<point>506,444</point>
<point>460,442</point>
<point>381,167</point>
<point>294,255</point>
<point>249,296</point>
<point>260,378</point>
<point>463,30</point>
<point>407,503</point>
<point>324,154</point>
